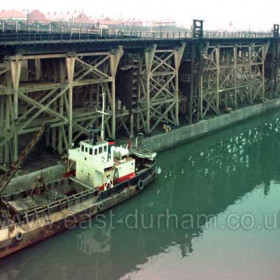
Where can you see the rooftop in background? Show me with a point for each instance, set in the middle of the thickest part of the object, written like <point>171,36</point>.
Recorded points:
<point>36,15</point>
<point>12,14</point>
<point>75,21</point>
<point>79,17</point>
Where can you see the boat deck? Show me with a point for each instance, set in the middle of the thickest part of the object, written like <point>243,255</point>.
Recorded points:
<point>36,200</point>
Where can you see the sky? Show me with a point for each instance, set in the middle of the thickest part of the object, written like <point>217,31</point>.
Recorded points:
<point>217,14</point>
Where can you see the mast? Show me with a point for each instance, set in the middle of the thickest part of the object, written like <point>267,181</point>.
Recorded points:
<point>103,113</point>
<point>102,133</point>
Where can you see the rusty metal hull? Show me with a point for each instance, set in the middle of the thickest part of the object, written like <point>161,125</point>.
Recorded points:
<point>16,237</point>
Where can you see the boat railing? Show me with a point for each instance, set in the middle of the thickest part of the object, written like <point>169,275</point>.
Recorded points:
<point>47,209</point>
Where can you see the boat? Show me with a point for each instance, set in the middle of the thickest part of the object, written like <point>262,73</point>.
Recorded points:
<point>104,176</point>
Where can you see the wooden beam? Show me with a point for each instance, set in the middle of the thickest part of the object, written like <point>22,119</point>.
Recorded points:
<point>115,57</point>
<point>15,72</point>
<point>70,66</point>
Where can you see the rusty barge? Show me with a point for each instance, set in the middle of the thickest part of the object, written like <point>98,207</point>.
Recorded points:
<point>104,175</point>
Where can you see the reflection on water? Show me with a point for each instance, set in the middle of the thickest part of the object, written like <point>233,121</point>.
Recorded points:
<point>233,171</point>
<point>94,241</point>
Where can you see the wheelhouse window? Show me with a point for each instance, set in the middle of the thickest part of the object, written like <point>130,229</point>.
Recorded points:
<point>105,149</point>
<point>95,152</point>
<point>83,148</point>
<point>90,151</point>
<point>100,150</point>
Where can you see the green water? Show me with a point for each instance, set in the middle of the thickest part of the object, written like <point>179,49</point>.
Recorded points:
<point>213,213</point>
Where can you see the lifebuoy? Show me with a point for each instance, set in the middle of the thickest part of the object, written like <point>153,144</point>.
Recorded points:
<point>140,185</point>
<point>19,236</point>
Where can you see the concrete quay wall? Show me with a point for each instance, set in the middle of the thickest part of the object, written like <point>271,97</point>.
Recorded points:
<point>187,133</point>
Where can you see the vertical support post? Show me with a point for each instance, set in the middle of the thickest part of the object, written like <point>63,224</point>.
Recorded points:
<point>149,58</point>
<point>200,82</point>
<point>61,106</point>
<point>263,78</point>
<point>7,128</point>
<point>54,130</point>
<point>139,91</point>
<point>2,124</point>
<point>115,57</point>
<point>70,66</point>
<point>2,128</point>
<point>217,51</point>
<point>200,94</point>
<point>235,75</point>
<point>250,74</point>
<point>192,84</point>
<point>15,75</point>
<point>274,71</point>
<point>178,58</point>
<point>8,115</point>
<point>38,68</point>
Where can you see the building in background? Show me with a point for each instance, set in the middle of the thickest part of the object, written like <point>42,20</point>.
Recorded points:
<point>12,15</point>
<point>78,21</point>
<point>81,18</point>
<point>37,16</point>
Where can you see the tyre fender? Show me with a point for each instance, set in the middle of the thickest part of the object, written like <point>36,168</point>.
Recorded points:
<point>19,236</point>
<point>140,185</point>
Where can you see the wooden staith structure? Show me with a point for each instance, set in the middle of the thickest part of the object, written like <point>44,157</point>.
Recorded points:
<point>149,80</point>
